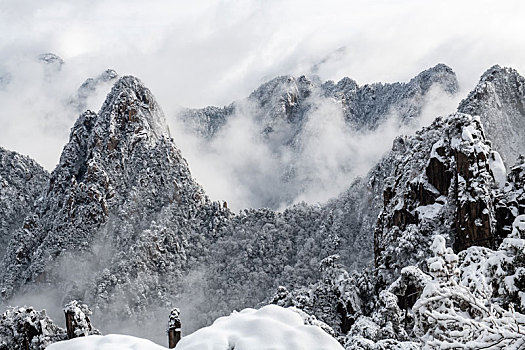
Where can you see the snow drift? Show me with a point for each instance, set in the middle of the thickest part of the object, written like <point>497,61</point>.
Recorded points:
<point>271,327</point>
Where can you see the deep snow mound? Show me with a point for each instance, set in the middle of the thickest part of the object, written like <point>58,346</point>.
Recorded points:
<point>270,327</point>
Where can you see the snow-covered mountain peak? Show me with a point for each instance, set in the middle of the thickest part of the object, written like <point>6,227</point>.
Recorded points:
<point>51,59</point>
<point>497,72</point>
<point>118,163</point>
<point>131,108</point>
<point>440,74</point>
<point>499,99</point>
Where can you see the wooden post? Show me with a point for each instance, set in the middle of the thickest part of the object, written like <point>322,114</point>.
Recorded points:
<point>174,328</point>
<point>69,324</point>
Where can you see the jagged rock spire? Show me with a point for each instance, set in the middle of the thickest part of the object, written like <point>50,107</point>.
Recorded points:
<point>441,182</point>
<point>119,163</point>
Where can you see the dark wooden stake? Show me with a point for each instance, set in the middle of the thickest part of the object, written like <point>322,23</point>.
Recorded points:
<point>173,337</point>
<point>69,324</point>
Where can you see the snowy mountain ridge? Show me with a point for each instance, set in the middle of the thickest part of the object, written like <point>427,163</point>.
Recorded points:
<point>310,139</point>
<point>285,100</point>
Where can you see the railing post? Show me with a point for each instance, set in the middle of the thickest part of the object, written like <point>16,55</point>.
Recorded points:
<point>69,324</point>
<point>174,328</point>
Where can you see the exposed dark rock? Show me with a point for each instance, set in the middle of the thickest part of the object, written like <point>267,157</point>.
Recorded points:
<point>438,174</point>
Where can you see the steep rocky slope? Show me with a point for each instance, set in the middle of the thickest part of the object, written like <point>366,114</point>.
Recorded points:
<point>121,197</point>
<point>22,182</point>
<point>499,99</point>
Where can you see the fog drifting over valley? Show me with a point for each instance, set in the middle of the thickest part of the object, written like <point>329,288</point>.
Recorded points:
<point>214,53</point>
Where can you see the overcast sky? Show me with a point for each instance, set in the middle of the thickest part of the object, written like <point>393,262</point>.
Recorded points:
<point>197,53</point>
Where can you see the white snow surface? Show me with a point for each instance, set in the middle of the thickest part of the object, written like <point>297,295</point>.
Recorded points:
<point>271,327</point>
<point>106,342</point>
<point>498,168</point>
<point>429,211</point>
<point>518,227</point>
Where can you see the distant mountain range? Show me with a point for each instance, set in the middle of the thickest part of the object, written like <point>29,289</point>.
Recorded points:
<point>308,131</point>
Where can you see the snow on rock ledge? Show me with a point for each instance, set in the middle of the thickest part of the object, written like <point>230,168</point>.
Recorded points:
<point>271,327</point>
<point>107,342</point>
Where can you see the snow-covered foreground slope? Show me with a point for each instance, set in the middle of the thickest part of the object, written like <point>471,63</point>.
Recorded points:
<point>269,328</point>
<point>106,342</point>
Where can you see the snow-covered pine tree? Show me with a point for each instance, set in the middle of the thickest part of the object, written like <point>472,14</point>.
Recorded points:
<point>449,315</point>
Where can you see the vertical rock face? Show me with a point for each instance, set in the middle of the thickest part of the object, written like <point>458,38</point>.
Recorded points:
<point>499,99</point>
<point>442,182</point>
<point>22,182</point>
<point>511,200</point>
<point>475,192</point>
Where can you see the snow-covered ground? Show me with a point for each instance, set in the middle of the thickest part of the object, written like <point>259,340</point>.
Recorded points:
<point>106,342</point>
<point>271,327</point>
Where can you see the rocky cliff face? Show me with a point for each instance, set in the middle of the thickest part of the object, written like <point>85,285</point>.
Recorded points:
<point>510,201</point>
<point>450,178</point>
<point>499,99</point>
<point>22,183</point>
<point>442,182</point>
